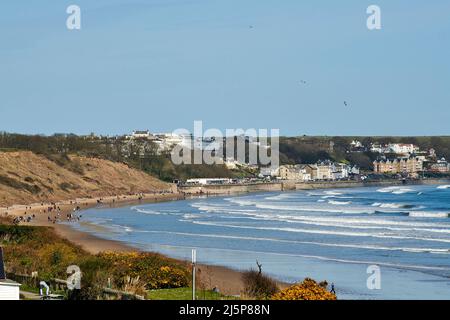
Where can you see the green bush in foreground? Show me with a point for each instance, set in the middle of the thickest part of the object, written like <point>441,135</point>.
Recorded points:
<point>39,249</point>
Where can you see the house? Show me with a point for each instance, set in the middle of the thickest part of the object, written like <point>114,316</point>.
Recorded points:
<point>402,148</point>
<point>9,290</point>
<point>269,171</point>
<point>297,172</point>
<point>441,166</point>
<point>140,134</point>
<point>340,171</point>
<point>403,165</point>
<point>324,171</point>
<point>357,146</point>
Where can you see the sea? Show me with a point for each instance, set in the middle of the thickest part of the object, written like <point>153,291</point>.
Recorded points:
<point>371,243</point>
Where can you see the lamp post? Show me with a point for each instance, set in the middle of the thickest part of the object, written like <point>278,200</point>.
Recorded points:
<point>194,260</point>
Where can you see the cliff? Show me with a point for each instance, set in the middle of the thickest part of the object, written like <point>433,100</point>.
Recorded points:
<point>27,178</point>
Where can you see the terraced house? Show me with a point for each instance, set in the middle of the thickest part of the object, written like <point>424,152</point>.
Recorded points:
<point>410,166</point>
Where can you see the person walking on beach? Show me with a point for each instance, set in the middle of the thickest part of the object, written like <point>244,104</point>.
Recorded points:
<point>332,288</point>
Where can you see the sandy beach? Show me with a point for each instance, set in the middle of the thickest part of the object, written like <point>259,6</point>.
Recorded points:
<point>229,281</point>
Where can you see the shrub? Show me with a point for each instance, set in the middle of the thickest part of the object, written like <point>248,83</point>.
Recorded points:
<point>154,270</point>
<point>65,186</point>
<point>29,249</point>
<point>13,183</point>
<point>258,286</point>
<point>307,290</point>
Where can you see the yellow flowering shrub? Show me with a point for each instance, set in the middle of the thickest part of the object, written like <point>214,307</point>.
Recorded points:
<point>306,290</point>
<point>156,271</point>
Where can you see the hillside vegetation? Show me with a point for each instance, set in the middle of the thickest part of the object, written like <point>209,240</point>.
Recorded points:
<point>39,249</point>
<point>26,177</point>
<point>142,154</point>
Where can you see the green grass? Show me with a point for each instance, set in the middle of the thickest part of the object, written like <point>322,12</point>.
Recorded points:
<point>27,288</point>
<point>185,294</point>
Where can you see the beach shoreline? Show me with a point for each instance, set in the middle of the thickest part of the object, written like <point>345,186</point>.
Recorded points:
<point>227,279</point>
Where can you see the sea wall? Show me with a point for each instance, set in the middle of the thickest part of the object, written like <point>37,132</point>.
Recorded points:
<point>230,188</point>
<point>293,185</point>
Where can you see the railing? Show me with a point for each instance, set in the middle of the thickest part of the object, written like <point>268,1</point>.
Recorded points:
<point>61,285</point>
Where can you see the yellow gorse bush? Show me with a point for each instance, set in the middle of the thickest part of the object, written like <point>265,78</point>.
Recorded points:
<point>153,269</point>
<point>307,290</point>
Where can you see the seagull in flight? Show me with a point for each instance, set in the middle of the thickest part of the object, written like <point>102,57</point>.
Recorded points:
<point>345,103</point>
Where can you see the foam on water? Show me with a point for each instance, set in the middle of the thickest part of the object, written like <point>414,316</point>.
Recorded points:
<point>391,226</point>
<point>425,214</point>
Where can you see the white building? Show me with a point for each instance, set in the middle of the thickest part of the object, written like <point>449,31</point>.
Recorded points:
<point>377,148</point>
<point>209,181</point>
<point>356,144</point>
<point>269,171</point>
<point>141,134</point>
<point>9,290</point>
<point>297,172</point>
<point>402,148</point>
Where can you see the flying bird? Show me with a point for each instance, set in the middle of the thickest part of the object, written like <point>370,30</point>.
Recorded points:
<point>345,103</point>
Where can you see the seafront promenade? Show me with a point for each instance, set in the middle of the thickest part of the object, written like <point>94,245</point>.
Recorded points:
<point>291,185</point>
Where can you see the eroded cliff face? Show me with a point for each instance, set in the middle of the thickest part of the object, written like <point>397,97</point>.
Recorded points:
<point>27,178</point>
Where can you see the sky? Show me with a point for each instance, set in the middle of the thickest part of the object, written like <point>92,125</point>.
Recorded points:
<point>265,64</point>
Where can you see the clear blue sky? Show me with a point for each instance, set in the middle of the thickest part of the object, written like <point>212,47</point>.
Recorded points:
<point>161,64</point>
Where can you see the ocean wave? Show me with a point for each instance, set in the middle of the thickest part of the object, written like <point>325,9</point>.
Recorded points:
<point>395,190</point>
<point>148,211</point>
<point>323,258</point>
<point>191,216</point>
<point>392,205</point>
<point>363,224</point>
<point>333,193</point>
<point>121,228</point>
<point>443,187</point>
<point>315,209</point>
<point>325,244</point>
<point>402,191</point>
<point>323,232</point>
<point>339,203</point>
<point>428,214</point>
<point>282,196</point>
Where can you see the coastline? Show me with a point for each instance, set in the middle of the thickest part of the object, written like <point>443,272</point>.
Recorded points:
<point>227,279</point>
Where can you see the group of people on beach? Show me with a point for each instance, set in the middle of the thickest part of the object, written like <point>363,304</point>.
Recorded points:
<point>54,211</point>
<point>25,218</point>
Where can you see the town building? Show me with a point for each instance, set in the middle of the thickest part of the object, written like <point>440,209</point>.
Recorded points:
<point>269,171</point>
<point>402,148</point>
<point>323,171</point>
<point>397,148</point>
<point>402,165</point>
<point>297,172</point>
<point>209,181</point>
<point>357,146</point>
<point>141,134</point>
<point>441,166</point>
